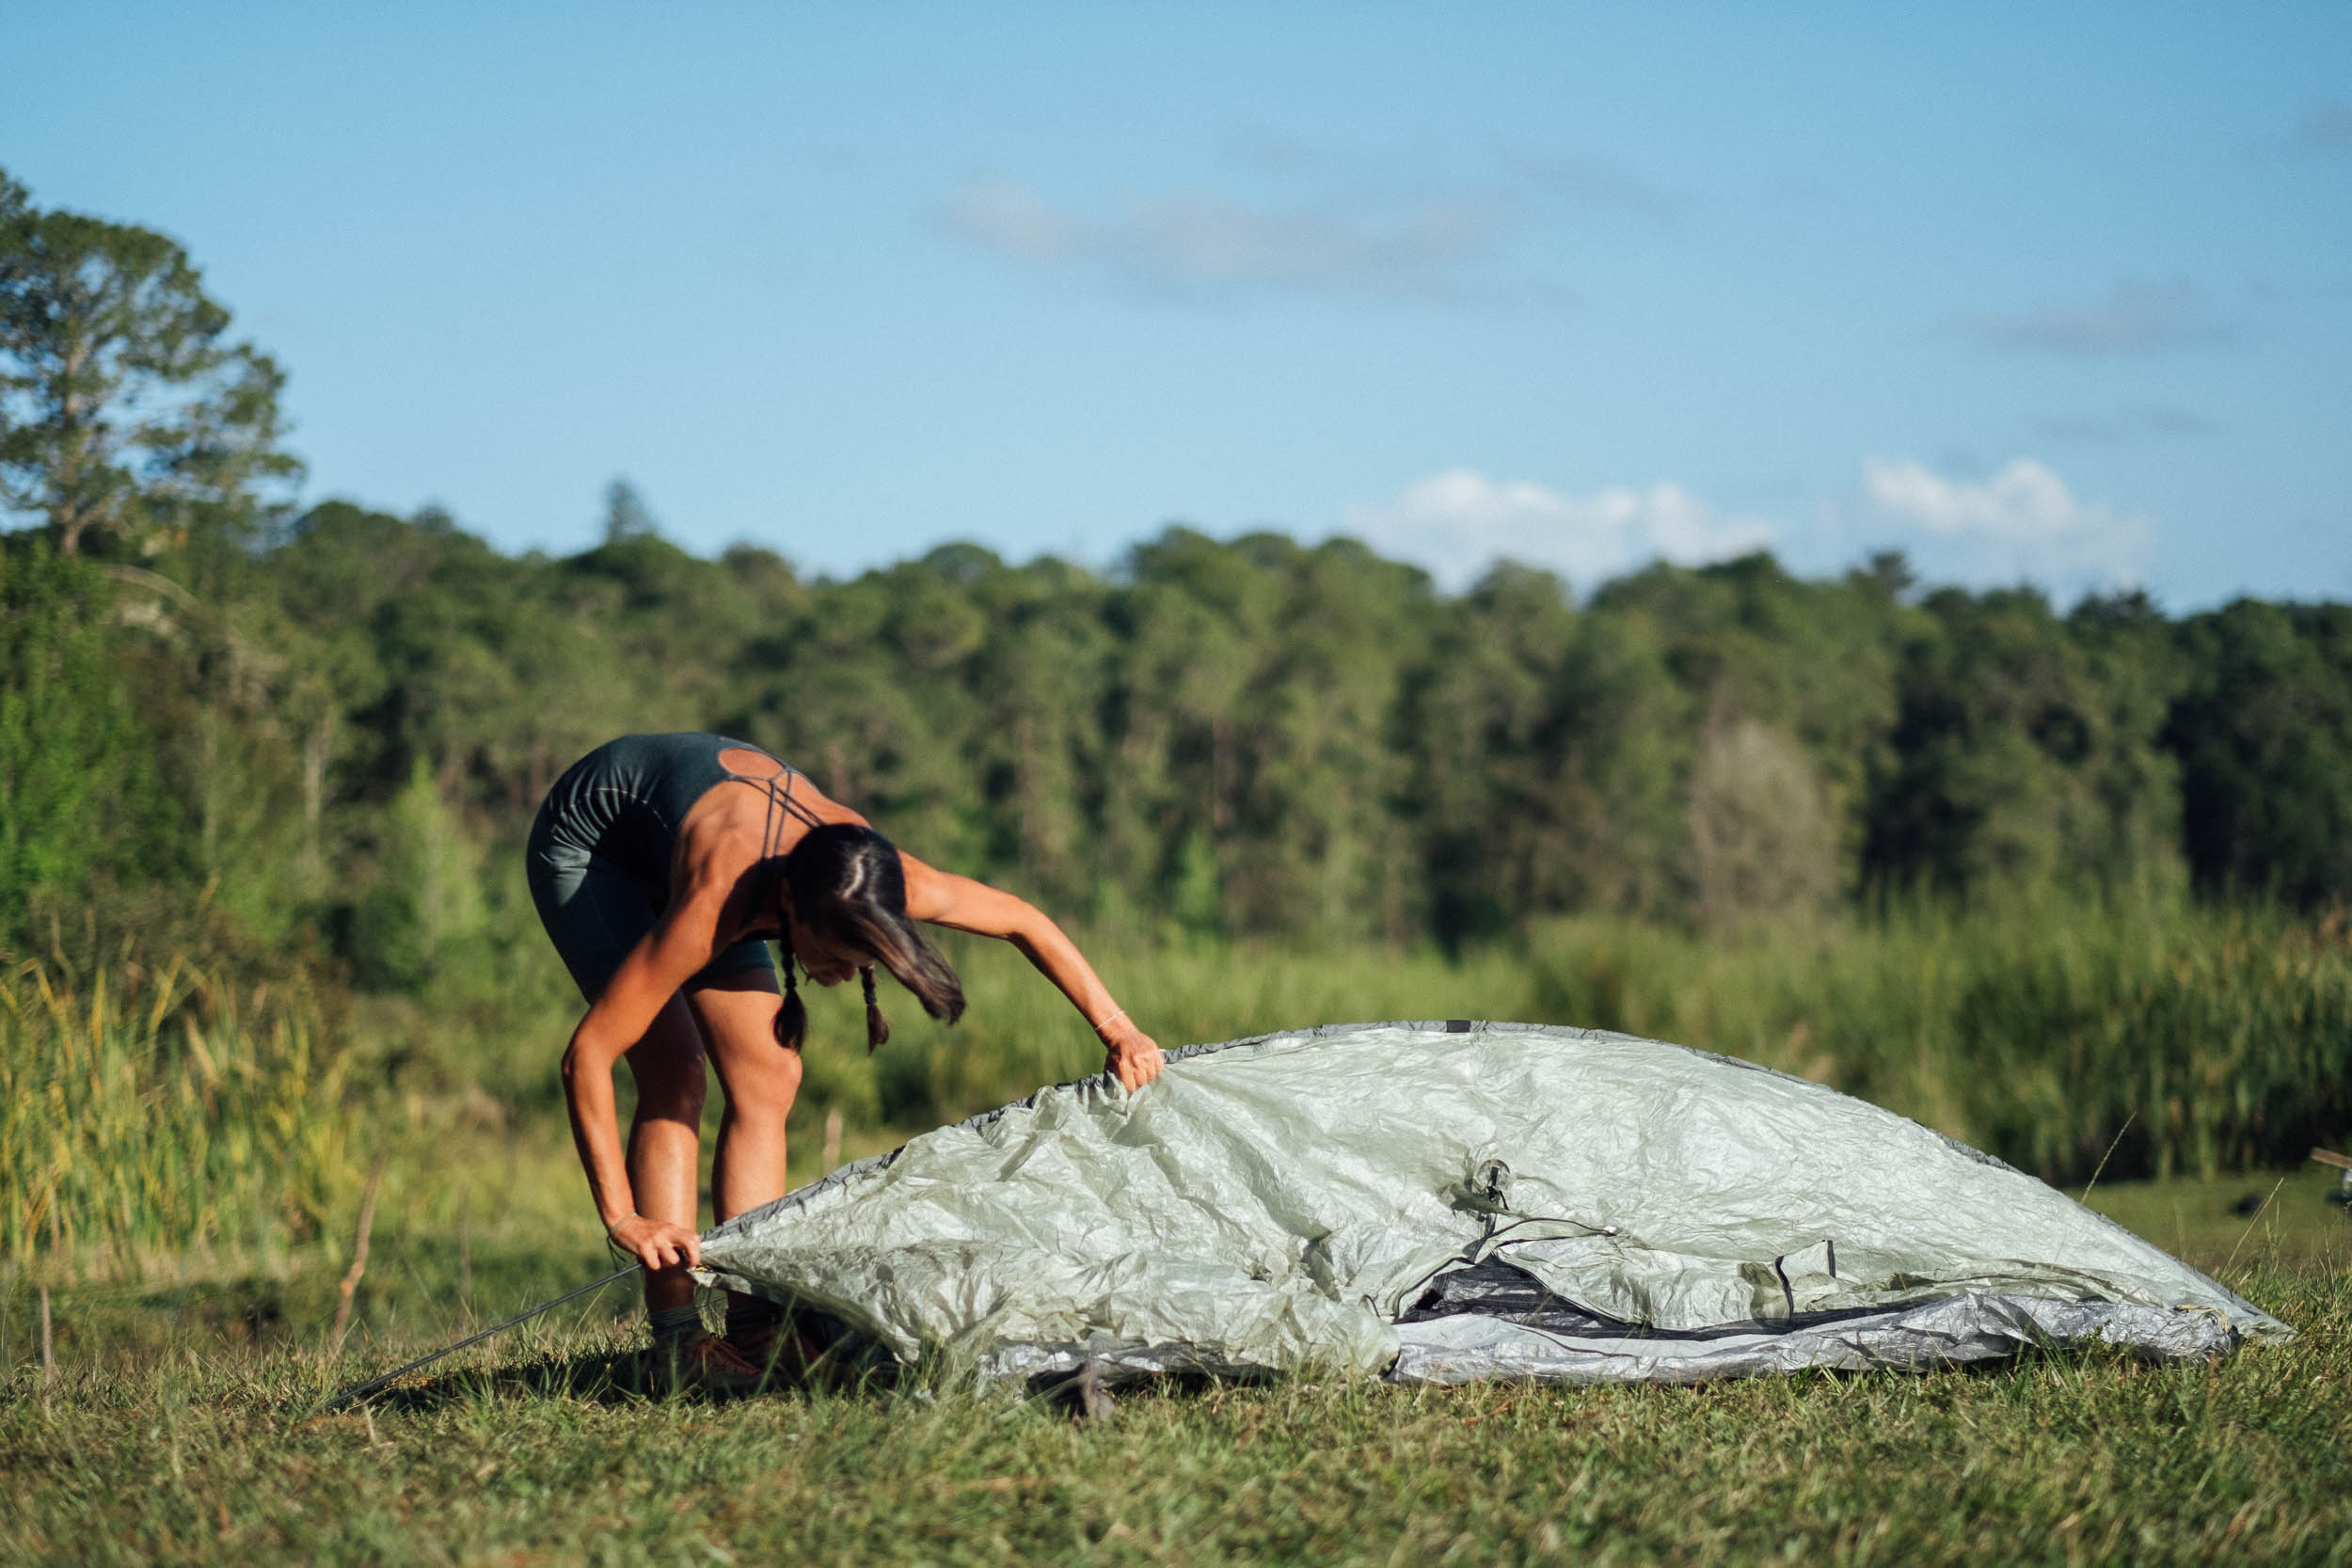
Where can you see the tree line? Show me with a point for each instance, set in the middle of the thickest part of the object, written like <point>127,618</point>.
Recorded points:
<point>324,731</point>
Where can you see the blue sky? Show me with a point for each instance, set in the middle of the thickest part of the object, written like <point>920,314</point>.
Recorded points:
<point>2061,294</point>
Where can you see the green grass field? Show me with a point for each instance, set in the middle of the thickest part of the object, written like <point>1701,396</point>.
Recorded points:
<point>176,1429</point>
<point>180,1162</point>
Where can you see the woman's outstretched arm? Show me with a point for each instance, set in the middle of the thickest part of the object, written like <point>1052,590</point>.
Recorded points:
<point>944,898</point>
<point>664,959</point>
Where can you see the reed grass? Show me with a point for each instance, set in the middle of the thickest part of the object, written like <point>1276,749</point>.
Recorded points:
<point>2046,1031</point>
<point>151,1115</point>
<point>2038,1030</point>
<point>164,1115</point>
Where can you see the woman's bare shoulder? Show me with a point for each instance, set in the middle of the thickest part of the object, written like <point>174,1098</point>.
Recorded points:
<point>745,762</point>
<point>765,809</point>
<point>768,777</point>
<point>823,807</point>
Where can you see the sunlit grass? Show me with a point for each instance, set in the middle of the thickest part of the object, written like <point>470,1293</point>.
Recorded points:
<point>153,1115</point>
<point>146,1119</point>
<point>187,1214</point>
<point>2055,1033</point>
<point>197,1444</point>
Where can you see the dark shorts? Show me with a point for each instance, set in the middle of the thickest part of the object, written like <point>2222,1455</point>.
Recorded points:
<point>595,912</point>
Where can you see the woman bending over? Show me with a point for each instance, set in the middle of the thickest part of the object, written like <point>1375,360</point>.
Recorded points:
<point>661,865</point>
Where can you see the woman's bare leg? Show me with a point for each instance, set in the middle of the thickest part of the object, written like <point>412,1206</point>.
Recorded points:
<point>738,1016</point>
<point>665,1138</point>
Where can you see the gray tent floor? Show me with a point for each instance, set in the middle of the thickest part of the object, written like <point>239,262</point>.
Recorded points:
<point>1707,1183</point>
<point>1490,1322</point>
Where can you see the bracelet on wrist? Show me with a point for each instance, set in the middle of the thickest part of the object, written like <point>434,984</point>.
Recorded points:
<point>1108,1022</point>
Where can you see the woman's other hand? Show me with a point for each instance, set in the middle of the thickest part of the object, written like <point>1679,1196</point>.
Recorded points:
<point>656,1243</point>
<point>1131,1055</point>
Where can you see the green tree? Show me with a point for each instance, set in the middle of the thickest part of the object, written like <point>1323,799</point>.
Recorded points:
<point>128,421</point>
<point>1489,803</point>
<point>1768,659</point>
<point>1185,630</point>
<point>2264,733</point>
<point>2026,749</point>
<point>626,514</point>
<point>76,769</point>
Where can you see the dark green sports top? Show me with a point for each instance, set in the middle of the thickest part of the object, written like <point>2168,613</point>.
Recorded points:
<point>625,801</point>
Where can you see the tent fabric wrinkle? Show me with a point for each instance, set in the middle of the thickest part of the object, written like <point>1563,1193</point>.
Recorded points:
<point>1439,1201</point>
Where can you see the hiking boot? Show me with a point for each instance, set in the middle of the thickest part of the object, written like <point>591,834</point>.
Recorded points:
<point>784,1349</point>
<point>699,1362</point>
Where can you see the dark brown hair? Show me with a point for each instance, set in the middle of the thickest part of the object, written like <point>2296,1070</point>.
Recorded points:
<point>847,881</point>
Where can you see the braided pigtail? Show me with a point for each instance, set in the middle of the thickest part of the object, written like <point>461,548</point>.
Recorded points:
<point>792,1017</point>
<point>877,1027</point>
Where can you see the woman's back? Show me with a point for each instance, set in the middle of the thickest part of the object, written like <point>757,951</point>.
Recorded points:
<point>627,801</point>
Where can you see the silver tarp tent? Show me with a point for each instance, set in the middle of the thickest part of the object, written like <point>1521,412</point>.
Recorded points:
<point>1443,1201</point>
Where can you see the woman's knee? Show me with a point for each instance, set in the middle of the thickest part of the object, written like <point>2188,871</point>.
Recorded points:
<point>763,1090</point>
<point>668,1068</point>
<point>680,1101</point>
<point>738,1016</point>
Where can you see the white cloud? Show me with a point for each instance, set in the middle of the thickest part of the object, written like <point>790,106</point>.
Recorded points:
<point>1409,223</point>
<point>2137,421</point>
<point>1214,241</point>
<point>1211,246</point>
<point>2326,129</point>
<point>1007,215</point>
<point>1596,182</point>
<point>2132,317</point>
<point>2022,523</point>
<point>1458,522</point>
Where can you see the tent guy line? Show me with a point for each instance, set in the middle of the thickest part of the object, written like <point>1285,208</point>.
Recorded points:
<point>362,1390</point>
